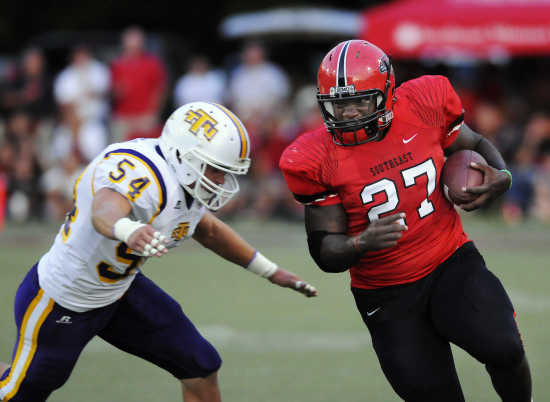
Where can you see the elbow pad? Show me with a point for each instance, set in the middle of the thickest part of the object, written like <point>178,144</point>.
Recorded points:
<point>314,241</point>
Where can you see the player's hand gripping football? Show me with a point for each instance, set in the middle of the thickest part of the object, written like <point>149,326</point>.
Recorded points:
<point>148,242</point>
<point>495,183</point>
<point>381,233</point>
<point>287,279</point>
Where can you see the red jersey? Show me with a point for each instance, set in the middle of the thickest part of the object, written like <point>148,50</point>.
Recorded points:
<point>138,83</point>
<point>400,173</point>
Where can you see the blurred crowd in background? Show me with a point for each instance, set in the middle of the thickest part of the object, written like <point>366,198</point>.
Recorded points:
<point>52,123</point>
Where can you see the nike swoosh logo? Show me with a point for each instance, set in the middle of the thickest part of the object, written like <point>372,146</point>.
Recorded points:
<point>405,141</point>
<point>369,313</point>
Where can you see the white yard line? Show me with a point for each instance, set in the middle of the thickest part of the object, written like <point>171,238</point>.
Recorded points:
<point>248,341</point>
<point>529,303</point>
<point>285,340</point>
<point>269,341</point>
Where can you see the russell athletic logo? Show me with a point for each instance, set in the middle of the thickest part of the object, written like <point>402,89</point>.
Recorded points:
<point>66,319</point>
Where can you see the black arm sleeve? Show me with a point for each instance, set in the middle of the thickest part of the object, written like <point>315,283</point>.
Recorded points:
<point>329,246</point>
<point>469,139</point>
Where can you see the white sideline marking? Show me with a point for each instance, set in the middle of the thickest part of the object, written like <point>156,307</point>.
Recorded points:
<point>248,341</point>
<point>529,303</point>
<point>253,341</point>
<point>285,341</point>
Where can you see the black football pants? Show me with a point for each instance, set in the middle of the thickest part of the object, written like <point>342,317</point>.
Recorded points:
<point>461,302</point>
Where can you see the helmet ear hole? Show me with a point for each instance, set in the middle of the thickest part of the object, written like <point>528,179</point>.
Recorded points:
<point>178,156</point>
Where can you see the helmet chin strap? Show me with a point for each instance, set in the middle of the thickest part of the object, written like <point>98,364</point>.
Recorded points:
<point>185,174</point>
<point>192,178</point>
<point>201,193</point>
<point>197,190</point>
<point>212,195</point>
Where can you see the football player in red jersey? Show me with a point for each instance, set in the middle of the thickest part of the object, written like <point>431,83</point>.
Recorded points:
<point>369,181</point>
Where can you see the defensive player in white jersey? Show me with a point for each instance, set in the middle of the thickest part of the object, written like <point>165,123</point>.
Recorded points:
<point>136,200</point>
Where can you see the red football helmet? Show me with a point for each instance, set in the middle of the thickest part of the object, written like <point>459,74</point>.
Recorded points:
<point>355,92</point>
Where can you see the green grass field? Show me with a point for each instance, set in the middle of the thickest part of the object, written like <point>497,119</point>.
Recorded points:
<point>277,345</point>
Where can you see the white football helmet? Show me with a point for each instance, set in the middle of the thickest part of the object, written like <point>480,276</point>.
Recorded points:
<point>201,134</point>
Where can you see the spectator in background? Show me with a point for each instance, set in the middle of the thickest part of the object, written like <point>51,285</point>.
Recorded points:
<point>30,87</point>
<point>258,90</point>
<point>265,195</point>
<point>307,114</point>
<point>199,83</point>
<point>525,198</point>
<point>26,100</point>
<point>493,118</point>
<point>81,91</point>
<point>517,202</point>
<point>57,185</point>
<point>488,119</point>
<point>7,157</point>
<point>257,87</point>
<point>537,130</point>
<point>266,189</point>
<point>139,86</point>
<point>272,197</point>
<point>541,201</point>
<point>20,163</point>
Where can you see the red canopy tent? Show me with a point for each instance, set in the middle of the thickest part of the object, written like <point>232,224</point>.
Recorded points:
<point>463,28</point>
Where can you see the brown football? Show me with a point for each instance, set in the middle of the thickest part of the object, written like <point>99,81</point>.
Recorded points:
<point>457,174</point>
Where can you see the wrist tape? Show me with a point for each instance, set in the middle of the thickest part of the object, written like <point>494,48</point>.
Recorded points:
<point>262,266</point>
<point>124,227</point>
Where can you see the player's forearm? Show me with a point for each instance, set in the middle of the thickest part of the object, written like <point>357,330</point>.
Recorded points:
<point>336,252</point>
<point>108,207</point>
<point>215,235</point>
<point>491,154</point>
<point>332,252</point>
<point>229,245</point>
<point>328,243</point>
<point>469,139</point>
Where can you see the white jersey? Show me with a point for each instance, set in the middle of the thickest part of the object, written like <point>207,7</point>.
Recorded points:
<point>84,269</point>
